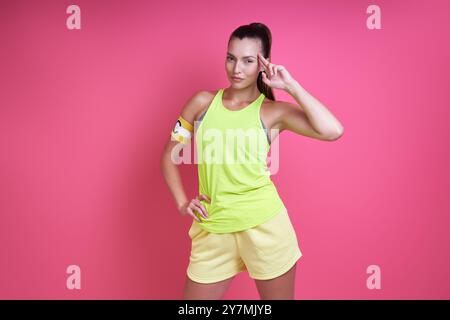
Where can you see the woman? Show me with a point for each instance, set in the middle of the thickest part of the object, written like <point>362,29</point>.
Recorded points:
<point>239,221</point>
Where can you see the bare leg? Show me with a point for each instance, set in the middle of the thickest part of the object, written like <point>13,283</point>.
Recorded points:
<point>205,291</point>
<point>279,288</point>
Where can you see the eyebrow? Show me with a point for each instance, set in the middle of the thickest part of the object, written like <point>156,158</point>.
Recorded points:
<point>243,57</point>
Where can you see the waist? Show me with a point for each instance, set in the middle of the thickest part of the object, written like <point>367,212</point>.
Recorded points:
<point>240,213</point>
<point>224,196</point>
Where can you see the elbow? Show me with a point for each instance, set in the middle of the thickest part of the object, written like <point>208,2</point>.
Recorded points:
<point>335,135</point>
<point>163,162</point>
<point>168,161</point>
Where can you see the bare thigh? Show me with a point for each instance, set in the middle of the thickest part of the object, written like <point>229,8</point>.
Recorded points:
<point>279,288</point>
<point>205,291</point>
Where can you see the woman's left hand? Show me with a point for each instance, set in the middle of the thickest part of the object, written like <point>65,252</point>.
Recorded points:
<point>275,76</point>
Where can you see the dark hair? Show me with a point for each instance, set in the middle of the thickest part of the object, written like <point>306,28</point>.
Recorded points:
<point>259,31</point>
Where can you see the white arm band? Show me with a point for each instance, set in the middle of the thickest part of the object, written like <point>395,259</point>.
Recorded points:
<point>182,131</point>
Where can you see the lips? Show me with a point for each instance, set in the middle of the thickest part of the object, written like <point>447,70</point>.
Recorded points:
<point>236,78</point>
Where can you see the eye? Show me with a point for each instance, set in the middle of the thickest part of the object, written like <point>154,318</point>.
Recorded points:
<point>228,58</point>
<point>250,61</point>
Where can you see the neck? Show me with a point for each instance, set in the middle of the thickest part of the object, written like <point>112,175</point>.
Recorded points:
<point>242,96</point>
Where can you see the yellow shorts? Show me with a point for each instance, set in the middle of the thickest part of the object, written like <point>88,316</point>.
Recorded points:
<point>265,251</point>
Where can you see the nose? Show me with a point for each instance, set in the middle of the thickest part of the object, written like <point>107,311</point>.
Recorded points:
<point>236,68</point>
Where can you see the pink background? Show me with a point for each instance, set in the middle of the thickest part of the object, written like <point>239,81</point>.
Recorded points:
<point>85,113</point>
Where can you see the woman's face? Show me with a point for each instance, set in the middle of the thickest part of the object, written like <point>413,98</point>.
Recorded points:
<point>242,61</point>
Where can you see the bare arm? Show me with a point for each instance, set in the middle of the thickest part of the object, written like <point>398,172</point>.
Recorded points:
<point>170,169</point>
<point>171,174</point>
<point>315,120</point>
<point>310,118</point>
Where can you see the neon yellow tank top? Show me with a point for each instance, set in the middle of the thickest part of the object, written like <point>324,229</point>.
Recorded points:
<point>231,151</point>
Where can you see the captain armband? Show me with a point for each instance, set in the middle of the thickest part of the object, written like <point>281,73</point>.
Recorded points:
<point>182,131</point>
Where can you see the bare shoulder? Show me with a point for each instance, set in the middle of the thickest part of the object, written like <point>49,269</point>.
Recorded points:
<point>198,102</point>
<point>276,107</point>
<point>272,112</point>
<point>208,97</point>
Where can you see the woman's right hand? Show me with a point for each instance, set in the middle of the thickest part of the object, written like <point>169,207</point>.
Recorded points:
<point>195,205</point>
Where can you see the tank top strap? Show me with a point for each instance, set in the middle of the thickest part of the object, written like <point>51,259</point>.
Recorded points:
<point>214,105</point>
<point>211,107</point>
<point>259,101</point>
<point>217,99</point>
